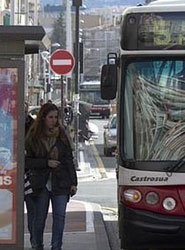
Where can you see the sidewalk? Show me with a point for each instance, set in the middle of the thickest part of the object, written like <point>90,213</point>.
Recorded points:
<point>84,229</point>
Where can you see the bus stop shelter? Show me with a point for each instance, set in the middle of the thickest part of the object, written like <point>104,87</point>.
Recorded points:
<point>15,42</point>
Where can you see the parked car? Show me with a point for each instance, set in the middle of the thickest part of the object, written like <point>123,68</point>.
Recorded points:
<point>110,136</point>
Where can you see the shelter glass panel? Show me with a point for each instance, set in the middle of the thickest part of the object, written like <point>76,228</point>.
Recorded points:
<point>8,154</point>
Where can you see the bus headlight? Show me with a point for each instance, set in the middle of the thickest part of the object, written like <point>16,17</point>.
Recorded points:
<point>132,195</point>
<point>169,203</point>
<point>152,198</point>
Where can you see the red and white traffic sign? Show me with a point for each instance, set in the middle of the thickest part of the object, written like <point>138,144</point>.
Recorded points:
<point>62,62</point>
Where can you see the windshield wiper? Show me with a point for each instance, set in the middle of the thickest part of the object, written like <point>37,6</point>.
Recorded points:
<point>176,167</point>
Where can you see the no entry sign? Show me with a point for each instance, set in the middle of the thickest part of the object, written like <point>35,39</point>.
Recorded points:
<point>62,62</point>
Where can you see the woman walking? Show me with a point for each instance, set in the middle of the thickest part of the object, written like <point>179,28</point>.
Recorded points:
<point>52,173</point>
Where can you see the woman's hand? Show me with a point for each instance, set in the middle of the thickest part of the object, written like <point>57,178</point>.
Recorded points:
<point>73,190</point>
<point>53,163</point>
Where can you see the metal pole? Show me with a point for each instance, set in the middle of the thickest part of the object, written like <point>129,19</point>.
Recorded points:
<point>35,18</point>
<point>27,12</point>
<point>45,83</point>
<point>77,52</point>
<point>49,81</point>
<point>12,12</point>
<point>68,40</point>
<point>62,99</point>
<point>77,4</point>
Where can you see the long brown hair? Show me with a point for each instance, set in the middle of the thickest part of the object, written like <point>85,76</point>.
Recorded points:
<point>37,131</point>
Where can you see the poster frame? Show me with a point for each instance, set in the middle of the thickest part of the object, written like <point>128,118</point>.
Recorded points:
<point>19,64</point>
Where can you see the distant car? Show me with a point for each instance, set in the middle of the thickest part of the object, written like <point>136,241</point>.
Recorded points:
<point>110,136</point>
<point>100,110</point>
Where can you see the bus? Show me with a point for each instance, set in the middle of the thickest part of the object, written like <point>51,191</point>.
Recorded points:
<point>147,77</point>
<point>90,93</point>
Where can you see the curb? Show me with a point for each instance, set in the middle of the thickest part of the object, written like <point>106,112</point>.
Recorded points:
<point>85,171</point>
<point>84,164</point>
<point>99,162</point>
<point>100,231</point>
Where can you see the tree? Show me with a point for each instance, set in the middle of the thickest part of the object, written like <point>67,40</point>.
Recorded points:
<point>59,31</point>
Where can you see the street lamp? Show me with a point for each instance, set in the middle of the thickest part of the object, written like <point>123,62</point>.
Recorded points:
<point>46,56</point>
<point>55,45</point>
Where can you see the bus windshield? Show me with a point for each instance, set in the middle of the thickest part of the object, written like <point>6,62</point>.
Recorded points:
<point>92,96</point>
<point>154,109</point>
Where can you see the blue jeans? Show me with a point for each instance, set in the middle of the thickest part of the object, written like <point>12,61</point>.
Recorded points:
<point>30,206</point>
<point>59,203</point>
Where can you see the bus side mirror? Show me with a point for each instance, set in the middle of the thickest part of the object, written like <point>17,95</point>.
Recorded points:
<point>108,81</point>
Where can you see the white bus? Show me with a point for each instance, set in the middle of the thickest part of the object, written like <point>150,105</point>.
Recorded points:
<point>148,79</point>
<point>90,93</point>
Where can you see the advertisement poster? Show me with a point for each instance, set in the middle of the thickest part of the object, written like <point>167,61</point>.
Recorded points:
<point>8,154</point>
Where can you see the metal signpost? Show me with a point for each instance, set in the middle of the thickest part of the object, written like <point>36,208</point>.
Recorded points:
<point>62,62</point>
<point>77,4</point>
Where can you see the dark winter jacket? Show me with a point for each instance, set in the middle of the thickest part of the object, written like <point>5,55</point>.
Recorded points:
<point>62,177</point>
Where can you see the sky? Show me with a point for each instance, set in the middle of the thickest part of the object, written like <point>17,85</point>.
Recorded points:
<point>126,2</point>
